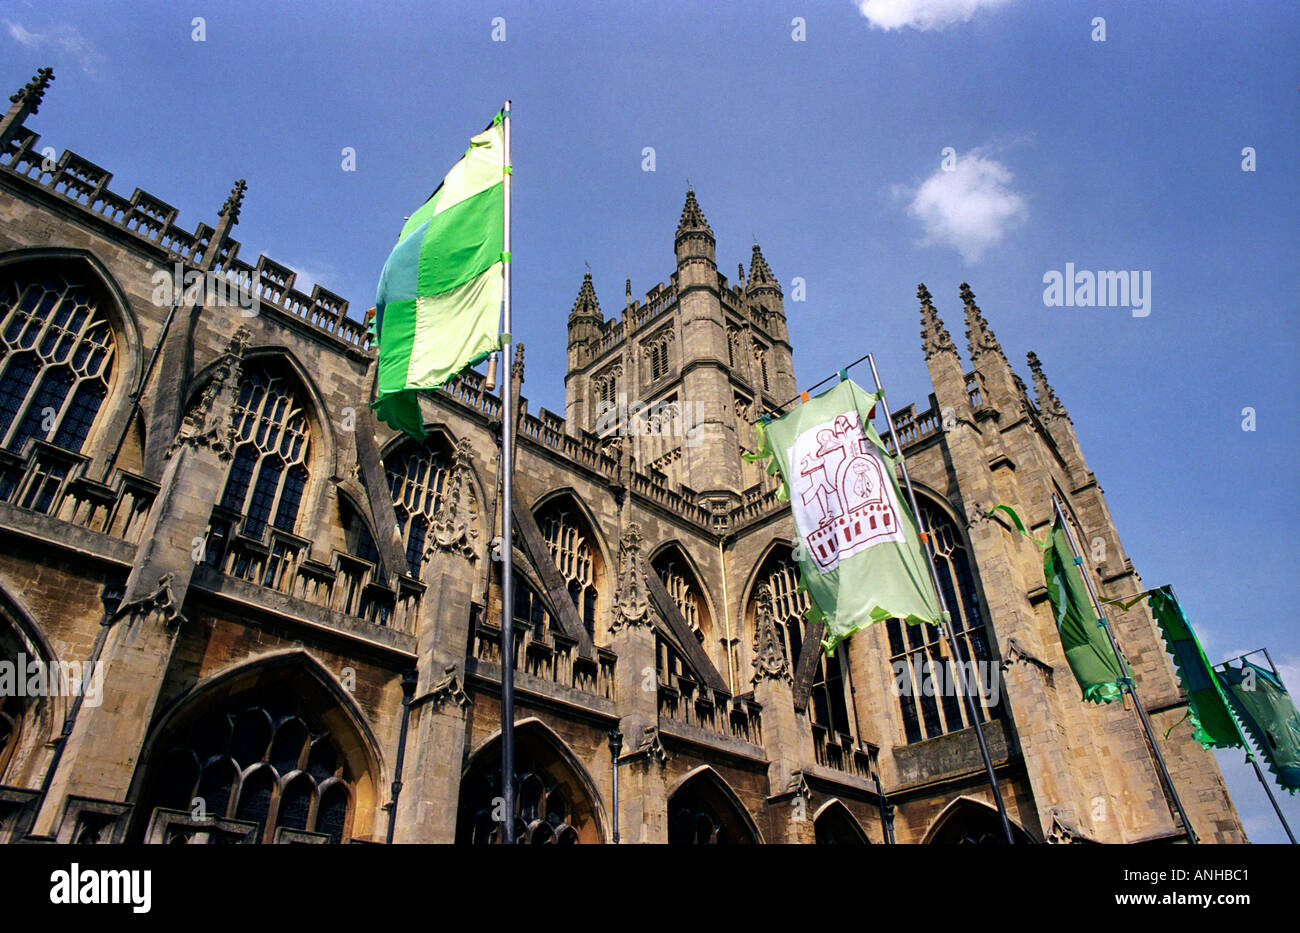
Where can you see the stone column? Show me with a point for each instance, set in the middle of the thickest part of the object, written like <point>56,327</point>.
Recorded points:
<point>427,807</point>
<point>786,735</point>
<point>101,753</point>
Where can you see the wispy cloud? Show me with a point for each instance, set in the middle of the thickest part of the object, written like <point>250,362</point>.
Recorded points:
<point>971,206</point>
<point>923,14</point>
<point>61,40</point>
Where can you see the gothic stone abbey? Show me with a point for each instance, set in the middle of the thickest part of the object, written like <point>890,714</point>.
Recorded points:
<point>292,614</point>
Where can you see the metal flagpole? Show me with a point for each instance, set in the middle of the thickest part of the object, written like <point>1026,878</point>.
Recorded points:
<point>507,522</point>
<point>946,626</point>
<point>1250,754</point>
<point>1127,674</point>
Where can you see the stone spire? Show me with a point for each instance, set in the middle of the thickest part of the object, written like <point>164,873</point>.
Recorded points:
<point>234,202</point>
<point>979,336</point>
<point>935,338</point>
<point>760,274</point>
<point>692,217</point>
<point>1048,404</point>
<point>769,652</point>
<point>228,216</point>
<point>34,90</point>
<point>24,103</point>
<point>586,305</point>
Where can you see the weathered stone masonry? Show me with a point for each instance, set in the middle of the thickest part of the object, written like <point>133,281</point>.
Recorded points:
<point>195,495</point>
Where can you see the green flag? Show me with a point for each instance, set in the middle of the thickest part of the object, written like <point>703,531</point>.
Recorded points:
<point>1207,706</point>
<point>1087,649</point>
<point>1267,711</point>
<point>437,310</point>
<point>860,557</point>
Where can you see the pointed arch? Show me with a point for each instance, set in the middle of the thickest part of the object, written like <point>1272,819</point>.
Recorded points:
<point>834,823</point>
<point>674,551</point>
<point>27,723</point>
<point>579,552</point>
<point>607,555</point>
<point>324,456</point>
<point>68,342</point>
<point>556,800</point>
<point>926,714</point>
<point>417,474</point>
<point>704,810</point>
<point>967,821</point>
<point>254,736</point>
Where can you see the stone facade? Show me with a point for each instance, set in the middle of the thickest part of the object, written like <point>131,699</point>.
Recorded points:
<point>295,613</point>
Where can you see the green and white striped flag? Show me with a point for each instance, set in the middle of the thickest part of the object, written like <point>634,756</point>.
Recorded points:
<point>437,310</point>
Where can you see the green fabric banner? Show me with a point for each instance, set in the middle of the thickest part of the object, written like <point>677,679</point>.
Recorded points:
<point>1087,649</point>
<point>859,553</point>
<point>1207,704</point>
<point>438,307</point>
<point>1269,714</point>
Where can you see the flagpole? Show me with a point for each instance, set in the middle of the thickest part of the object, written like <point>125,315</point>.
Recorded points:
<point>1250,753</point>
<point>945,626</point>
<point>507,521</point>
<point>1128,678</point>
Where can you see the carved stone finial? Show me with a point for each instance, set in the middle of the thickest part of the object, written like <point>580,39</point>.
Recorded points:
<point>692,217</point>
<point>769,649</point>
<point>453,523</point>
<point>631,596</point>
<point>33,92</point>
<point>234,202</point>
<point>935,338</point>
<point>1049,405</point>
<point>760,274</point>
<point>210,422</point>
<point>517,368</point>
<point>586,304</point>
<point>979,336</point>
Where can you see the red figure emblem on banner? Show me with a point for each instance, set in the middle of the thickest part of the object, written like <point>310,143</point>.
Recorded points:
<point>843,500</point>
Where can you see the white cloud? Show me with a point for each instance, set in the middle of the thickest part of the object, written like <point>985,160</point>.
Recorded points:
<point>923,14</point>
<point>65,40</point>
<point>971,208</point>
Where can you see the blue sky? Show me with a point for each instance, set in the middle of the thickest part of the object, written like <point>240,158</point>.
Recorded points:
<point>1122,154</point>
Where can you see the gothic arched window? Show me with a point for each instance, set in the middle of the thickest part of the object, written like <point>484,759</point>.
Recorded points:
<point>56,359</point>
<point>684,589</point>
<point>416,478</point>
<point>552,806</point>
<point>265,756</point>
<point>268,472</point>
<point>916,653</point>
<point>571,544</point>
<point>701,813</point>
<point>829,707</point>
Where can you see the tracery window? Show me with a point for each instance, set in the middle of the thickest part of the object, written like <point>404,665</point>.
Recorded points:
<point>760,357</point>
<point>262,758</point>
<point>916,650</point>
<point>684,590</point>
<point>417,477</point>
<point>700,814</point>
<point>551,807</point>
<point>657,355</point>
<point>828,706</point>
<point>56,360</point>
<point>569,541</point>
<point>268,472</point>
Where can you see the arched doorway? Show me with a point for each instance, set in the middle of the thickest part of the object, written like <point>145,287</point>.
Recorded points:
<point>555,800</point>
<point>704,810</point>
<point>835,825</point>
<point>970,822</point>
